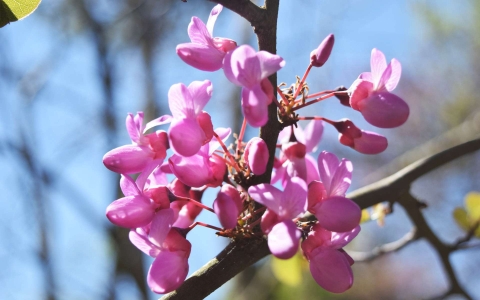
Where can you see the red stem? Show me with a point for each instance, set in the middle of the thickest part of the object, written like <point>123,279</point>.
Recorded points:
<point>241,135</point>
<point>302,81</point>
<point>204,225</point>
<point>313,101</point>
<point>195,203</point>
<point>229,155</point>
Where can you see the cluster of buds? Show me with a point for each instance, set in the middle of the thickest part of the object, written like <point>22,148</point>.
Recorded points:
<point>160,213</point>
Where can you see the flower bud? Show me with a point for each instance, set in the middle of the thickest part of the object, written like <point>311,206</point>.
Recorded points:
<point>256,155</point>
<point>319,56</point>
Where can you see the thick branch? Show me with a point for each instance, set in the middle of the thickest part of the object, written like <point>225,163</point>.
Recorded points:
<point>245,8</point>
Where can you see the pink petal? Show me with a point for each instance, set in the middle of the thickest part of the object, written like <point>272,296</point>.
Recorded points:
<point>128,159</point>
<point>131,211</point>
<point>223,134</point>
<point>360,89</point>
<point>201,92</point>
<point>331,270</point>
<point>193,171</point>
<point>128,186</point>
<point>176,241</point>
<point>267,195</point>
<point>254,106</point>
<point>294,199</point>
<point>269,219</point>
<point>165,119</point>
<point>378,64</point>
<point>317,237</point>
<point>341,179</point>
<point>396,72</point>
<point>341,239</point>
<point>295,167</point>
<point>213,17</point>
<point>384,110</point>
<point>231,191</point>
<point>168,272</point>
<point>226,210</point>
<point>370,143</point>
<point>198,32</point>
<point>256,155</point>
<point>284,239</point>
<point>316,193</point>
<point>186,136</point>
<point>327,166</point>
<point>338,214</point>
<point>242,67</point>
<point>205,122</point>
<point>312,169</point>
<point>142,243</point>
<point>219,168</point>
<point>269,63</point>
<point>205,58</point>
<point>180,101</point>
<point>147,171</point>
<point>161,224</point>
<point>132,129</point>
<point>313,134</point>
<point>366,76</point>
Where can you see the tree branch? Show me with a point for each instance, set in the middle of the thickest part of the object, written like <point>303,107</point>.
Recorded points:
<point>245,8</point>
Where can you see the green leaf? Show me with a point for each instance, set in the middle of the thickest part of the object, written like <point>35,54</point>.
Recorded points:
<point>288,271</point>
<point>14,10</point>
<point>472,204</point>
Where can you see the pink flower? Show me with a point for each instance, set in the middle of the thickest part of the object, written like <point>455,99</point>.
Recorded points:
<point>134,158</point>
<point>326,198</point>
<point>365,142</point>
<point>205,52</point>
<point>202,168</point>
<point>329,264</point>
<point>191,127</point>
<point>283,234</point>
<point>170,267</point>
<point>294,159</point>
<point>370,93</point>
<point>319,56</point>
<point>144,203</point>
<point>249,69</point>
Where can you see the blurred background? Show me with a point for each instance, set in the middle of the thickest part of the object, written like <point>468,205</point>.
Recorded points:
<point>71,72</point>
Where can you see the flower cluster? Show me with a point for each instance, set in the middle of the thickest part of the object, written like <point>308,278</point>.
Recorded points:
<point>160,213</point>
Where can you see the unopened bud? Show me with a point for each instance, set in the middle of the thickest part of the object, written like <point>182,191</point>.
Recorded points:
<point>342,96</point>
<point>319,56</point>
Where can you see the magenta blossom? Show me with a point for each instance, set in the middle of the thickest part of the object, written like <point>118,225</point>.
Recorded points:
<point>365,142</point>
<point>134,158</point>
<point>329,264</point>
<point>170,267</point>
<point>203,168</point>
<point>370,93</point>
<point>283,234</point>
<point>294,159</point>
<point>146,202</point>
<point>326,198</point>
<point>191,128</point>
<point>249,69</point>
<point>205,52</point>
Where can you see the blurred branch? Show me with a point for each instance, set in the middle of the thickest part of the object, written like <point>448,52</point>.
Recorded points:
<point>386,248</point>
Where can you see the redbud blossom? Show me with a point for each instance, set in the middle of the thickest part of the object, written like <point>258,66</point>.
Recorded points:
<point>134,158</point>
<point>205,52</point>
<point>365,142</point>
<point>319,56</point>
<point>256,155</point>
<point>247,68</point>
<point>370,93</point>
<point>282,208</point>
<point>329,264</point>
<point>191,127</point>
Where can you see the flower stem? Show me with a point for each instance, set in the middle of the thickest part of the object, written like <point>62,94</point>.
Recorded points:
<point>240,136</point>
<point>204,225</point>
<point>300,85</point>
<point>195,203</point>
<point>313,101</point>
<point>229,155</point>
